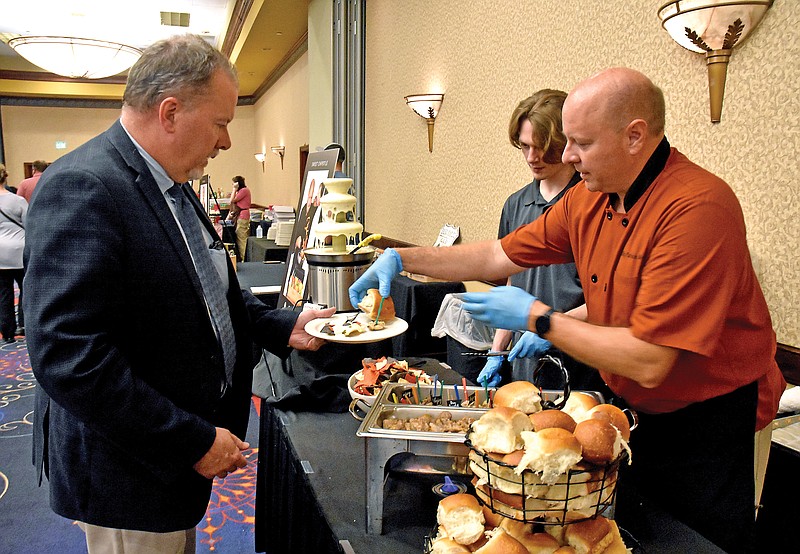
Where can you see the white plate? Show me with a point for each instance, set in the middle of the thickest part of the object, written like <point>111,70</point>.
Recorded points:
<point>394,327</point>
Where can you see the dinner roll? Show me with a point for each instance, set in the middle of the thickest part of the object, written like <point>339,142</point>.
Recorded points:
<point>565,550</point>
<point>552,418</point>
<point>501,542</point>
<point>498,430</point>
<point>513,506</point>
<point>590,536</point>
<point>601,442</point>
<point>538,543</point>
<point>612,414</point>
<point>446,545</point>
<point>550,451</point>
<point>491,518</point>
<point>520,395</point>
<point>461,517</point>
<point>372,302</point>
<point>501,476</point>
<point>617,545</point>
<point>578,404</point>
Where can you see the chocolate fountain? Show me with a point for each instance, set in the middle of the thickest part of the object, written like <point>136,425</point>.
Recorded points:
<point>338,257</point>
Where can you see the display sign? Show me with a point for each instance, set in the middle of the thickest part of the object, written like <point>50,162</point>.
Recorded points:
<point>319,166</point>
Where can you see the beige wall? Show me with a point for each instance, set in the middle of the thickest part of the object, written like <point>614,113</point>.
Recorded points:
<point>486,56</point>
<point>30,133</point>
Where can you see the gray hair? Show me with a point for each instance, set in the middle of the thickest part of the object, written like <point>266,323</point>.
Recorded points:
<point>177,66</point>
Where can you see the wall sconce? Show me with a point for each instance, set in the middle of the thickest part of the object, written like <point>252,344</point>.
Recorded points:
<point>279,151</point>
<point>427,107</point>
<point>261,157</point>
<point>712,27</point>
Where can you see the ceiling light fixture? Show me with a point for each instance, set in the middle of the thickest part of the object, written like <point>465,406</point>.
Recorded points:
<point>427,107</point>
<point>261,157</point>
<point>713,28</point>
<point>76,57</point>
<point>279,151</point>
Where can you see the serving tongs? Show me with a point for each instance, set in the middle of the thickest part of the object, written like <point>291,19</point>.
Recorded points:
<point>487,354</point>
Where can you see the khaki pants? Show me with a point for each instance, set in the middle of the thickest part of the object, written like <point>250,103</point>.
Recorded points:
<point>104,540</point>
<point>242,232</point>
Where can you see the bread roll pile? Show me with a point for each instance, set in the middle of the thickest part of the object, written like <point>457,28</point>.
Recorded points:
<point>459,517</point>
<point>558,465</point>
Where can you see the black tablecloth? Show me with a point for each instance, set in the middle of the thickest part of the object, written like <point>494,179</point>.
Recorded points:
<point>260,249</point>
<point>418,303</point>
<point>259,274</point>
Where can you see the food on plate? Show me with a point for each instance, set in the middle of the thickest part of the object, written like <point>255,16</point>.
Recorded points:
<point>353,328</point>
<point>600,441</point>
<point>552,418</point>
<point>460,517</point>
<point>538,543</point>
<point>550,451</point>
<point>371,303</point>
<point>327,329</point>
<point>590,535</point>
<point>515,506</point>
<point>376,325</point>
<point>578,404</point>
<point>374,373</point>
<point>520,395</point>
<point>501,542</point>
<point>615,416</point>
<point>498,430</point>
<point>443,423</point>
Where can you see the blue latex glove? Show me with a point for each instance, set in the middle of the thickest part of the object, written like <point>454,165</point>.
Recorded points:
<point>378,276</point>
<point>501,308</point>
<point>491,372</point>
<point>529,345</point>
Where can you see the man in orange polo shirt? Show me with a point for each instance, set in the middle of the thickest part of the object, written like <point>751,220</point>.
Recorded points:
<point>675,321</point>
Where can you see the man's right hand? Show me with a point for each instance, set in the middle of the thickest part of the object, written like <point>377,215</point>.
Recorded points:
<point>224,457</point>
<point>490,374</point>
<point>378,276</point>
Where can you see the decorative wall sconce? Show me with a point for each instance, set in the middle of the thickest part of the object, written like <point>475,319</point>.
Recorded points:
<point>712,27</point>
<point>279,151</point>
<point>261,157</point>
<point>427,107</point>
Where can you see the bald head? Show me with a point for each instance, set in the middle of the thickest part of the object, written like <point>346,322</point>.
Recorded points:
<point>622,95</point>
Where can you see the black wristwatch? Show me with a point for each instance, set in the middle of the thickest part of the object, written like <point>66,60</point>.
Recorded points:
<point>543,323</point>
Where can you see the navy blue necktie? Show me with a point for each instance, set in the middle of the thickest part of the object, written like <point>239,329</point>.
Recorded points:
<point>213,289</point>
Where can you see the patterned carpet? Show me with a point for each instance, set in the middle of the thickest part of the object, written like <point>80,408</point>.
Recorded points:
<point>28,526</point>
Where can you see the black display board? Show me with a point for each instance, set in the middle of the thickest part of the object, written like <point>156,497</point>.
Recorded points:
<point>319,166</point>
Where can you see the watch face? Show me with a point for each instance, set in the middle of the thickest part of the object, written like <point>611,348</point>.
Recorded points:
<point>543,323</point>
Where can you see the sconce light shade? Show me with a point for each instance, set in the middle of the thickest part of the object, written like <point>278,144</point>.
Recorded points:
<point>261,157</point>
<point>279,151</point>
<point>713,28</point>
<point>427,107</point>
<point>76,57</point>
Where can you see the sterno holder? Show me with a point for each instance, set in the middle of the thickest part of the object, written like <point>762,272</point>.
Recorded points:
<point>331,274</point>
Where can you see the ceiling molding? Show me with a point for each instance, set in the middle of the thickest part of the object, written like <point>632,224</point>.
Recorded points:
<point>240,12</point>
<point>298,49</point>
<point>53,78</point>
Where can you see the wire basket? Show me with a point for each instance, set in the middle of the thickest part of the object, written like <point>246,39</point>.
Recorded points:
<point>583,492</point>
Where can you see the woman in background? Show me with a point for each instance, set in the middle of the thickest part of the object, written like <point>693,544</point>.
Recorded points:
<point>13,211</point>
<point>240,213</point>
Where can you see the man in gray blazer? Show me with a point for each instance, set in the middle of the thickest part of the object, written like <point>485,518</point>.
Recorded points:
<point>142,400</point>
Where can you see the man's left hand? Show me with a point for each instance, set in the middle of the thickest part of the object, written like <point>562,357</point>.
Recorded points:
<point>299,338</point>
<point>501,308</point>
<point>529,345</point>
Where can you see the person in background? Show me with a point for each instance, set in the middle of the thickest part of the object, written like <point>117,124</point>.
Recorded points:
<point>535,129</point>
<point>138,330</point>
<point>339,171</point>
<point>240,213</point>
<point>26,186</point>
<point>675,319</point>
<point>13,213</point>
<point>4,180</point>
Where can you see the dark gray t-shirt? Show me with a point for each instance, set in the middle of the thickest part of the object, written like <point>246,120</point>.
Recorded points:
<point>556,285</point>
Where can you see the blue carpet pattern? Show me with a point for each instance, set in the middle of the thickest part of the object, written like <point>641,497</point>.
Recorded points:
<point>28,526</point>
